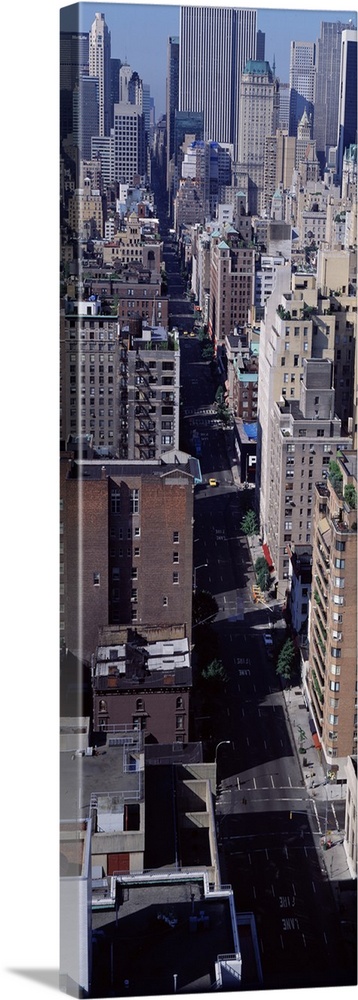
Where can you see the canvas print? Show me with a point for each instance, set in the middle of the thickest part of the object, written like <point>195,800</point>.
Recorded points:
<point>208,499</point>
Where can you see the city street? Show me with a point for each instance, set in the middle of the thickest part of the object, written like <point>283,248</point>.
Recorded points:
<point>269,825</point>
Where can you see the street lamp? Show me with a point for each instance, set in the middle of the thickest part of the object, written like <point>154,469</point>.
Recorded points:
<point>195,568</point>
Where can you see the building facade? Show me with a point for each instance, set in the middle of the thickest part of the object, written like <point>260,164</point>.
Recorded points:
<point>302,82</point>
<point>232,282</point>
<point>327,88</point>
<point>172,101</point>
<point>99,66</point>
<point>306,434</point>
<point>129,143</point>
<point>347,107</point>
<point>127,547</point>
<point>215,43</point>
<point>143,681</point>
<point>259,104</point>
<point>331,679</point>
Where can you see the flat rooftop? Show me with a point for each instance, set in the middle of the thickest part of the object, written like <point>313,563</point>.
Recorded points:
<point>105,771</point>
<point>165,929</point>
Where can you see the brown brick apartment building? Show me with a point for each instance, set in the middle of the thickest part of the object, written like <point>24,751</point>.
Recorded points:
<point>127,547</point>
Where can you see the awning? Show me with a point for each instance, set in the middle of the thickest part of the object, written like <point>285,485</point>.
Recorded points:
<point>316,741</point>
<point>323,525</point>
<point>267,554</point>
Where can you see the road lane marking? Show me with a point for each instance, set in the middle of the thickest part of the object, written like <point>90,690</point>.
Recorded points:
<point>254,781</point>
<point>272,781</point>
<point>313,887</point>
<point>317,817</point>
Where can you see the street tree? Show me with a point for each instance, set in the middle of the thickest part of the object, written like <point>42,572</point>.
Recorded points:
<point>214,672</point>
<point>205,606</point>
<point>249,525</point>
<point>286,660</point>
<point>262,573</point>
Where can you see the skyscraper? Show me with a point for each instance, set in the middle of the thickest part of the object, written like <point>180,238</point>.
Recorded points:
<point>347,111</point>
<point>215,44</point>
<point>99,66</point>
<point>73,63</point>
<point>115,65</point>
<point>85,114</point>
<point>129,142</point>
<point>172,98</point>
<point>260,45</point>
<point>259,106</point>
<point>327,87</point>
<point>302,81</point>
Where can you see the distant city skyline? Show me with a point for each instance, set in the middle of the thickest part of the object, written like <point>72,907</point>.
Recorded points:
<point>140,32</point>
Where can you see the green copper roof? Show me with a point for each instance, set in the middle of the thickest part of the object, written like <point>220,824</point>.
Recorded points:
<point>258,67</point>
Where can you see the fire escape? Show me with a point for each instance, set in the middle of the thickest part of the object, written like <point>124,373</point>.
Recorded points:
<point>123,402</point>
<point>144,412</point>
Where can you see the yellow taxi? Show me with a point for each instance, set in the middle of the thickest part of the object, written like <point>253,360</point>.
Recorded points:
<point>213,482</point>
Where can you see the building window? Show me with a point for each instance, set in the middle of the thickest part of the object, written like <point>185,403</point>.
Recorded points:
<point>139,705</point>
<point>334,686</point>
<point>134,501</point>
<point>175,536</point>
<point>137,550</point>
<point>134,573</point>
<point>333,720</point>
<point>179,703</point>
<point>339,563</point>
<point>335,669</point>
<point>339,581</point>
<point>336,653</point>
<point>165,602</point>
<point>96,579</point>
<point>134,595</point>
<point>340,546</point>
<point>179,722</point>
<point>175,577</point>
<point>175,557</point>
<point>115,502</point>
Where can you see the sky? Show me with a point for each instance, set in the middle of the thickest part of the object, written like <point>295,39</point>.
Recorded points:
<point>139,34</point>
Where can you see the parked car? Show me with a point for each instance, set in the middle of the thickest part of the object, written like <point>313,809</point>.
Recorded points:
<point>213,482</point>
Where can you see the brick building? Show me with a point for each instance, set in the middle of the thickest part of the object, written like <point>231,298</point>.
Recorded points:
<point>143,679</point>
<point>127,547</point>
<point>232,283</point>
<point>133,291</point>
